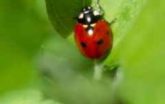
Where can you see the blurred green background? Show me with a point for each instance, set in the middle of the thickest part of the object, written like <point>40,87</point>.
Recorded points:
<point>23,28</point>
<point>28,42</point>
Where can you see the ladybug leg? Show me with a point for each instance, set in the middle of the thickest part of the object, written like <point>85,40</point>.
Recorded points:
<point>111,71</point>
<point>112,22</point>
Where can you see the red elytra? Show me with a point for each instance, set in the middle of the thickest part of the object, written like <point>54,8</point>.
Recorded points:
<point>93,34</point>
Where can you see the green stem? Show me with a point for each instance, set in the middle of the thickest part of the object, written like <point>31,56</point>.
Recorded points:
<point>97,70</point>
<point>115,85</point>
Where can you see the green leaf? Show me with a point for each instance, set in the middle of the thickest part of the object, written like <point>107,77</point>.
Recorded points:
<point>125,12</point>
<point>141,53</point>
<point>62,14</point>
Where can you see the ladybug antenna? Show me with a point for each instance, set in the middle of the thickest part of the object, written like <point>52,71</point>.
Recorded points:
<point>98,7</point>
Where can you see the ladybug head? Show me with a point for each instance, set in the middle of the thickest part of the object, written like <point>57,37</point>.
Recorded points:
<point>88,15</point>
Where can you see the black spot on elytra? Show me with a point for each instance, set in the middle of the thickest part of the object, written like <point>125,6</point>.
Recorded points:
<point>83,44</point>
<point>107,32</point>
<point>100,42</point>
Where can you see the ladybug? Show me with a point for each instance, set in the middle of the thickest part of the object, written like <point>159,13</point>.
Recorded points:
<point>93,34</point>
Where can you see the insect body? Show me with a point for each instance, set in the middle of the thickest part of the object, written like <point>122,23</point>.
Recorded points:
<point>93,35</point>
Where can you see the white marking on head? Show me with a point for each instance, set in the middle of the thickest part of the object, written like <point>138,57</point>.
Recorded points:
<point>88,19</point>
<point>81,16</point>
<point>85,26</point>
<point>85,12</point>
<point>92,25</point>
<point>96,13</point>
<point>90,32</point>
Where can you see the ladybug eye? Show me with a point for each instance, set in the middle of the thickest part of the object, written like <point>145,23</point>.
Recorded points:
<point>83,44</point>
<point>99,42</point>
